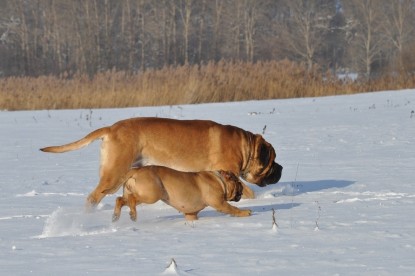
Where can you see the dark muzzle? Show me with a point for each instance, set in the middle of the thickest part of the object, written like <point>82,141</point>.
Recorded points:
<point>238,195</point>
<point>274,175</point>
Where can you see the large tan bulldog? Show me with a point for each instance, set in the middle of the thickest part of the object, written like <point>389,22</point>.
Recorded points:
<point>188,192</point>
<point>191,146</point>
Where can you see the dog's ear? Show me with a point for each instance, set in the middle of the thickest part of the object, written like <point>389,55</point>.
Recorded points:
<point>236,189</point>
<point>233,184</point>
<point>264,153</point>
<point>228,175</point>
<point>262,150</point>
<point>225,174</point>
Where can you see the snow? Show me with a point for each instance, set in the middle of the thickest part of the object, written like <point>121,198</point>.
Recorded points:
<point>345,204</point>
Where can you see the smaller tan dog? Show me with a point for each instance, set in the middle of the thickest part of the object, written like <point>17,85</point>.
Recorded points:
<point>188,192</point>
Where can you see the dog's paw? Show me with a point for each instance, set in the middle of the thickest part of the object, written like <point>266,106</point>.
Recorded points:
<point>244,213</point>
<point>115,217</point>
<point>133,216</point>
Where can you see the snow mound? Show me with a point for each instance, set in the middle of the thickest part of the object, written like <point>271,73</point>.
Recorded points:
<point>64,222</point>
<point>172,269</point>
<point>28,194</point>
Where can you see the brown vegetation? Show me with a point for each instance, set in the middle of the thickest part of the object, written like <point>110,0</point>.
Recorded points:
<point>214,82</point>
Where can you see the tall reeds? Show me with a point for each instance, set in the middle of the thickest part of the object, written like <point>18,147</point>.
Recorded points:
<point>213,82</point>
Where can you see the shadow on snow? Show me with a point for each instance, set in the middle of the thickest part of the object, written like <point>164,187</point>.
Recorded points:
<point>300,187</point>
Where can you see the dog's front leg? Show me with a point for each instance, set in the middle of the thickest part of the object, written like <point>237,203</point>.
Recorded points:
<point>225,207</point>
<point>247,192</point>
<point>191,216</point>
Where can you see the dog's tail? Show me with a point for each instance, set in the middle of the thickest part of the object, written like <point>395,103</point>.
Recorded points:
<point>96,134</point>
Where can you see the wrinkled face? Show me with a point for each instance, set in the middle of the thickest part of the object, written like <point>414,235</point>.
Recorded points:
<point>263,170</point>
<point>233,184</point>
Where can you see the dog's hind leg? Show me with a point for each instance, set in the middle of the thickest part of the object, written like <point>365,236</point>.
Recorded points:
<point>132,203</point>
<point>107,185</point>
<point>115,163</point>
<point>119,203</point>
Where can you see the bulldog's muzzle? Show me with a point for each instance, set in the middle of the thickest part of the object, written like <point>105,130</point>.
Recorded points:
<point>274,175</point>
<point>238,196</point>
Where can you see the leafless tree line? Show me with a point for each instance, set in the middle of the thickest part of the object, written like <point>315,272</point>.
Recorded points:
<point>61,37</point>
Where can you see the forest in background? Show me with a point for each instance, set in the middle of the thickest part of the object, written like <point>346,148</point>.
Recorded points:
<point>85,40</point>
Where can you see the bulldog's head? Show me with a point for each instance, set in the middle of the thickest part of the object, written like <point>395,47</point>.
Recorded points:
<point>233,186</point>
<point>262,169</point>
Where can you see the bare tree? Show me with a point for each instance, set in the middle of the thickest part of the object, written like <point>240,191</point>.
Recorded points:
<point>244,24</point>
<point>169,33</point>
<point>127,28</point>
<point>185,10</point>
<point>217,23</point>
<point>201,19</point>
<point>141,15</point>
<point>368,42</point>
<point>23,33</point>
<point>237,29</point>
<point>398,26</point>
<point>250,18</point>
<point>304,30</point>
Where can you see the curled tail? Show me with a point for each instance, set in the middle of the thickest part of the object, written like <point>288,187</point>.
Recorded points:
<point>96,134</point>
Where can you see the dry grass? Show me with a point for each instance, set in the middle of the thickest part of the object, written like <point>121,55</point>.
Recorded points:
<point>214,82</point>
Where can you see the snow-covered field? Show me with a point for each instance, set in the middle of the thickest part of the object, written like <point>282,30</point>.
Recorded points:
<point>345,204</point>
